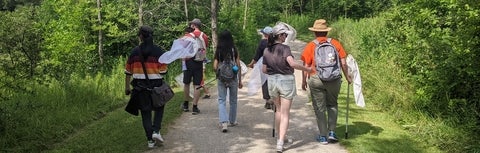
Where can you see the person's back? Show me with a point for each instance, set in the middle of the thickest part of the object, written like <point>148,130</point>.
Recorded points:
<point>278,62</point>
<point>259,54</point>
<point>142,65</point>
<point>324,84</point>
<point>227,53</point>
<point>193,71</point>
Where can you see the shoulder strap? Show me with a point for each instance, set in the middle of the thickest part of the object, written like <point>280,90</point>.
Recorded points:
<point>316,42</point>
<point>191,34</point>
<point>233,57</point>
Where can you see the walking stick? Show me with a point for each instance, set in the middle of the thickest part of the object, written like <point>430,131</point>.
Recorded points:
<point>274,111</point>
<point>346,120</point>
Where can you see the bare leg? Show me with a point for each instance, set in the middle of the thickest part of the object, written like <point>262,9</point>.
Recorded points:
<point>186,92</point>
<point>278,107</point>
<point>284,118</point>
<point>196,95</point>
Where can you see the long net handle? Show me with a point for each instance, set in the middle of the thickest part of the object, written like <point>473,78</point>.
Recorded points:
<point>346,119</point>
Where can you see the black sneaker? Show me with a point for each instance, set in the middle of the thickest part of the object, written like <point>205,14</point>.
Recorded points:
<point>195,110</point>
<point>206,97</point>
<point>268,106</point>
<point>185,106</point>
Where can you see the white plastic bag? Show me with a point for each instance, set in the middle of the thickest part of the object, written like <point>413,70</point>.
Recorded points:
<point>181,48</point>
<point>257,78</point>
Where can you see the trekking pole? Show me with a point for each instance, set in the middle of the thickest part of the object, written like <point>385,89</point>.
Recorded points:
<point>346,120</point>
<point>274,111</point>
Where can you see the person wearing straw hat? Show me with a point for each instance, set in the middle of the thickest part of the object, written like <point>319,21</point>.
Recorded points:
<point>324,92</point>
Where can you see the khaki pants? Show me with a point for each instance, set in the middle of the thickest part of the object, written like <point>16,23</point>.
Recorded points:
<point>324,100</point>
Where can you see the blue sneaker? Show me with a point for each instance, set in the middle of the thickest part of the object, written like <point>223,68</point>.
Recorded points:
<point>322,139</point>
<point>332,137</point>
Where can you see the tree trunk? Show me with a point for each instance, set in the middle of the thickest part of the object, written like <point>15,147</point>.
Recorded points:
<point>100,32</point>
<point>140,13</point>
<point>245,15</point>
<point>213,12</point>
<point>186,9</point>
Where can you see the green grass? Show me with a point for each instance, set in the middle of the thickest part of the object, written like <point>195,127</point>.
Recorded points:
<point>118,131</point>
<point>372,129</point>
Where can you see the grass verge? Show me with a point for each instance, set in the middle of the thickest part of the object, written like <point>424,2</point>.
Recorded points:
<point>118,131</point>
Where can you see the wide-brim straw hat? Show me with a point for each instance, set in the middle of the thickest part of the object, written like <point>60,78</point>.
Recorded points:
<point>320,26</point>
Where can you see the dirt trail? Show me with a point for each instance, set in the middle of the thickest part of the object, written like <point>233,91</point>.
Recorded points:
<point>201,134</point>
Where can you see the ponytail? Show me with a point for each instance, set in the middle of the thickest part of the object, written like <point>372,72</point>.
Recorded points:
<point>272,41</point>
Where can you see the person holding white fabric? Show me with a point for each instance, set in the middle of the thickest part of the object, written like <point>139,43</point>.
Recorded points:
<point>194,71</point>
<point>258,54</point>
<point>324,92</point>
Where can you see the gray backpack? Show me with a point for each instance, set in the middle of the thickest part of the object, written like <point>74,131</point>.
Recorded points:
<point>199,47</point>
<point>327,60</point>
<point>225,71</point>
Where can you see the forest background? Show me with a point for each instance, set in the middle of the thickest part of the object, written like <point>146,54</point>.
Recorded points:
<point>62,61</point>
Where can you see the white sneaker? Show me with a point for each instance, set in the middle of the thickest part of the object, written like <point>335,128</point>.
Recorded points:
<point>151,144</point>
<point>224,127</point>
<point>233,124</point>
<point>279,146</point>
<point>157,137</point>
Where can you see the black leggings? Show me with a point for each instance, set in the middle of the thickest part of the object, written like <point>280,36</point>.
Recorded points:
<point>157,121</point>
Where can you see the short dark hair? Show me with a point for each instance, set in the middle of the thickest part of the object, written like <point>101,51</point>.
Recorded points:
<point>321,34</point>
<point>188,29</point>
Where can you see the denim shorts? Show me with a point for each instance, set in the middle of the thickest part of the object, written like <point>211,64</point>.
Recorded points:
<point>282,85</point>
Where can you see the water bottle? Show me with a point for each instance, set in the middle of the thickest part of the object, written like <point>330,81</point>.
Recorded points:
<point>235,69</point>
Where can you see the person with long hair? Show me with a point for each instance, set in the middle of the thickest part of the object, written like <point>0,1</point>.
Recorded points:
<point>226,50</point>
<point>279,64</point>
<point>148,54</point>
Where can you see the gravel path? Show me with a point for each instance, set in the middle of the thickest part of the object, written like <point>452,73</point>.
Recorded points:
<point>201,134</point>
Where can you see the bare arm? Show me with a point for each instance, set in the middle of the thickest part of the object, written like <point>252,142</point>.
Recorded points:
<point>297,66</point>
<point>215,65</point>
<point>264,68</point>
<point>343,62</point>
<point>304,78</point>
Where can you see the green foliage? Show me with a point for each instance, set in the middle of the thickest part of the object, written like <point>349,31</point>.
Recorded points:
<point>53,111</point>
<point>335,9</point>
<point>19,49</point>
<point>68,46</point>
<point>442,39</point>
<point>410,63</point>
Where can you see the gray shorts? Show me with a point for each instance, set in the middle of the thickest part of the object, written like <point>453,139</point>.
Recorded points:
<point>280,85</point>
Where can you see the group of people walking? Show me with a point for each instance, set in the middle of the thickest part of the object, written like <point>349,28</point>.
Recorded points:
<point>278,91</point>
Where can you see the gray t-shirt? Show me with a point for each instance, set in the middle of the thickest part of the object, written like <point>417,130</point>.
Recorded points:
<point>276,61</point>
